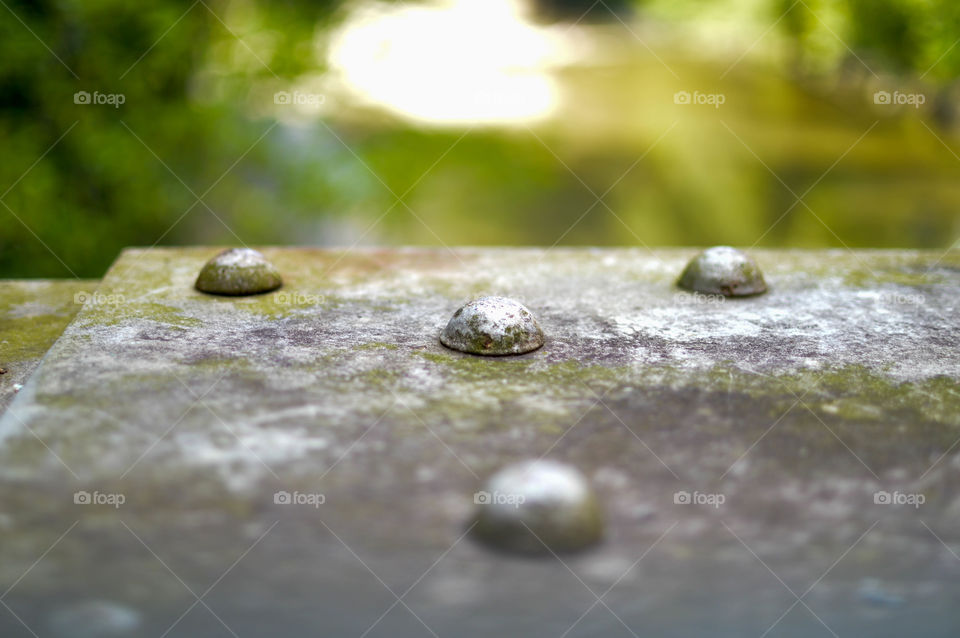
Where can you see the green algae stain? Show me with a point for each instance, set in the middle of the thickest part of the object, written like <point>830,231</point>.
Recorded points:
<point>873,279</point>
<point>372,379</point>
<point>873,272</point>
<point>505,378</point>
<point>467,367</point>
<point>287,303</point>
<point>33,315</point>
<point>860,393</point>
<point>849,393</point>
<point>437,358</point>
<point>220,364</point>
<point>376,345</point>
<point>112,314</point>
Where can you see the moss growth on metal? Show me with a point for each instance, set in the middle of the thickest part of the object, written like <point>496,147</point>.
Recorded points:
<point>105,315</point>
<point>376,345</point>
<point>33,314</point>
<point>237,272</point>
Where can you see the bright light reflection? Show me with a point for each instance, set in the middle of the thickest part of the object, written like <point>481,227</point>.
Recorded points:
<point>452,62</point>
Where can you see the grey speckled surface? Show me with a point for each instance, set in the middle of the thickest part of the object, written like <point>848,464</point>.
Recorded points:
<point>782,416</point>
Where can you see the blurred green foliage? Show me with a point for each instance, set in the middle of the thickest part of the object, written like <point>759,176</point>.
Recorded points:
<point>111,177</point>
<point>99,178</point>
<point>897,35</point>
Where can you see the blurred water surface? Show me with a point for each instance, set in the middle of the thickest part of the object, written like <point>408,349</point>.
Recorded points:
<point>454,122</point>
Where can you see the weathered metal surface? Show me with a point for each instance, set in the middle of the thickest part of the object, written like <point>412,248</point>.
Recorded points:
<point>723,270</point>
<point>492,326</point>
<point>738,448</point>
<point>32,316</point>
<point>237,272</point>
<point>538,507</point>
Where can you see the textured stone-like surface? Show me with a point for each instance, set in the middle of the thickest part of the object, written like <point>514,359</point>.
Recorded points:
<point>32,316</point>
<point>220,420</point>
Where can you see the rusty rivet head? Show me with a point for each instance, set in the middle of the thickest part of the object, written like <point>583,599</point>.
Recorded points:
<point>538,507</point>
<point>723,270</point>
<point>238,271</point>
<point>493,326</point>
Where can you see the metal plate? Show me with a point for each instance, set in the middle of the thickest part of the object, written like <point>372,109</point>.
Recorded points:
<point>798,409</point>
